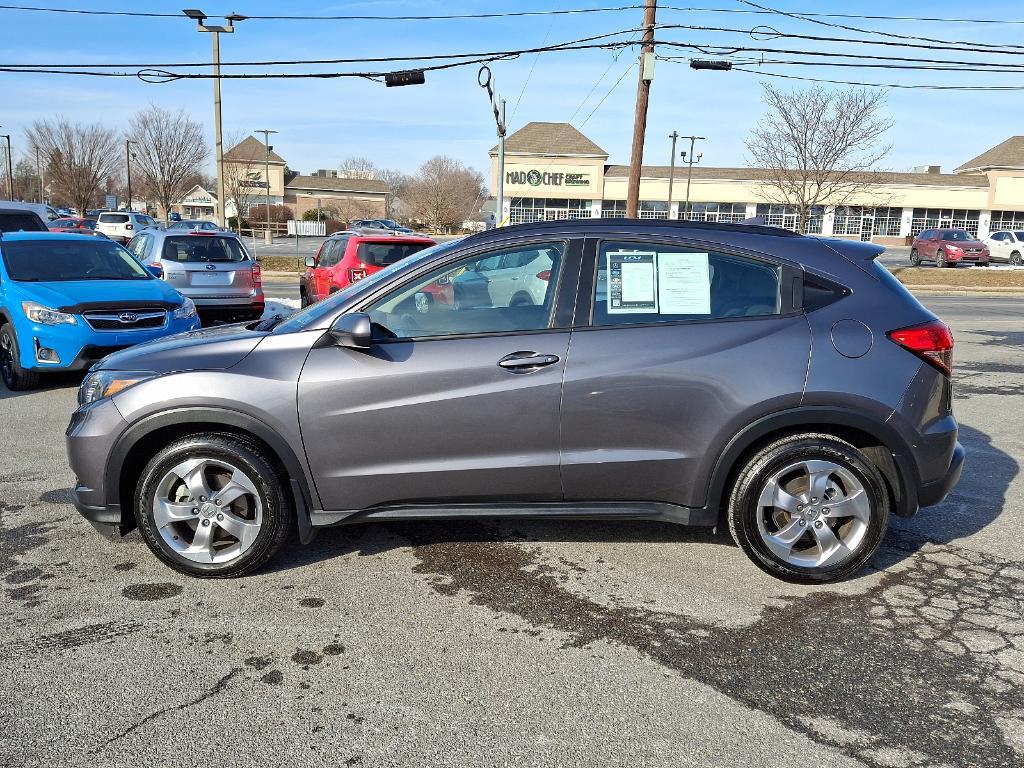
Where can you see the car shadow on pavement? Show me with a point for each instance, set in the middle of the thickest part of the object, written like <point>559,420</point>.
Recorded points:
<point>49,382</point>
<point>977,500</point>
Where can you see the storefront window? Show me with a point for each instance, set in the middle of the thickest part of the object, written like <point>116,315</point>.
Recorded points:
<point>1007,220</point>
<point>527,209</point>
<point>653,209</point>
<point>944,218</point>
<point>728,212</point>
<point>613,209</point>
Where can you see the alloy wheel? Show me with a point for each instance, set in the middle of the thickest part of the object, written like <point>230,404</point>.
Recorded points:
<point>813,514</point>
<point>207,510</point>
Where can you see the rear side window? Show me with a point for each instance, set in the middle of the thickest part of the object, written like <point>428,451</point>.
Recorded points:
<point>386,254</point>
<point>199,248</point>
<point>651,283</point>
<point>20,221</point>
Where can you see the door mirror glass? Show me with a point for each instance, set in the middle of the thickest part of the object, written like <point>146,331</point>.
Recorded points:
<point>353,331</point>
<point>310,261</point>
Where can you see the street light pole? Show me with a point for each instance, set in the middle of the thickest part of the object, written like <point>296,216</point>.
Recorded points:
<point>199,17</point>
<point>10,176</point>
<point>268,238</point>
<point>690,162</point>
<point>128,162</point>
<point>672,169</point>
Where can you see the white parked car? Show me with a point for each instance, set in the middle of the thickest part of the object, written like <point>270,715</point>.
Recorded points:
<point>122,226</point>
<point>43,211</point>
<point>1006,245</point>
<point>518,279</point>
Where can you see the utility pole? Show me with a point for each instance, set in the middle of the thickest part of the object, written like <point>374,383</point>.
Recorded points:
<point>483,77</point>
<point>199,17</point>
<point>643,92</point>
<point>672,169</point>
<point>268,237</point>
<point>691,161</point>
<point>128,164</point>
<point>10,175</point>
<point>39,175</point>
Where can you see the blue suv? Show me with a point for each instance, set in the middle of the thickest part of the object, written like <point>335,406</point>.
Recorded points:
<point>67,301</point>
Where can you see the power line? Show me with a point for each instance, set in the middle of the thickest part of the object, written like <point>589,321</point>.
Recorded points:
<point>886,85</point>
<point>610,91</point>
<point>940,66</point>
<point>615,58</point>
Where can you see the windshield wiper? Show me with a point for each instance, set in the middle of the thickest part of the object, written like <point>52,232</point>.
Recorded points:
<point>271,322</point>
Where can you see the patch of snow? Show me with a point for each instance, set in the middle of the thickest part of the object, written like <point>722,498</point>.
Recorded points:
<point>280,307</point>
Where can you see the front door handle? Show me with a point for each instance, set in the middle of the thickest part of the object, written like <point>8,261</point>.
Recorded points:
<point>522,362</point>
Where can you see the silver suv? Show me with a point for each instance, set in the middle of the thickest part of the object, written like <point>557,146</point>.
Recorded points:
<point>122,226</point>
<point>212,268</point>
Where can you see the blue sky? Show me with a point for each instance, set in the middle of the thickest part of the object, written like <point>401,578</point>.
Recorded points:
<point>322,121</point>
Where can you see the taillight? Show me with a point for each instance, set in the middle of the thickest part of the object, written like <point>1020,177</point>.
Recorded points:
<point>545,275</point>
<point>128,226</point>
<point>257,274</point>
<point>356,274</point>
<point>932,342</point>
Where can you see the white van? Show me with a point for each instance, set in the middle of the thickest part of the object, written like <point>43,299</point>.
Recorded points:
<point>42,210</point>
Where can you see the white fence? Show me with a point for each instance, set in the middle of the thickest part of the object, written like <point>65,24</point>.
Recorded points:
<point>307,228</point>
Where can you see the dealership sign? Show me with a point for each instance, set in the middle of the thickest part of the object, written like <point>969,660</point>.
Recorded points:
<point>537,178</point>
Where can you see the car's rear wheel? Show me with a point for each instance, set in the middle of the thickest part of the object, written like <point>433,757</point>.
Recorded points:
<point>213,506</point>
<point>809,508</point>
<point>1015,259</point>
<point>15,378</point>
<point>915,257</point>
<point>303,298</point>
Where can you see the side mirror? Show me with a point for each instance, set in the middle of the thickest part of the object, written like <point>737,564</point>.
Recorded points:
<point>353,331</point>
<point>310,261</point>
<point>156,270</point>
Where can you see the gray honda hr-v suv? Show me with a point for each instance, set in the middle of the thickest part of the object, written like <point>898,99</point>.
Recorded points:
<point>705,374</point>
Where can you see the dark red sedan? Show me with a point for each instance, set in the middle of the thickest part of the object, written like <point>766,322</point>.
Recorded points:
<point>73,226</point>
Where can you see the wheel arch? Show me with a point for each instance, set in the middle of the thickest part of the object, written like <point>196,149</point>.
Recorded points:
<point>878,440</point>
<point>140,442</point>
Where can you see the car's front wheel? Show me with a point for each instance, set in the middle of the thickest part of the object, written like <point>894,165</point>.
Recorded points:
<point>213,506</point>
<point>14,376</point>
<point>809,508</point>
<point>915,257</point>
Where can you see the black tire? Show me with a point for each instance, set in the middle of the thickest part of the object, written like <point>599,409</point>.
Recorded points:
<point>303,300</point>
<point>940,259</point>
<point>1015,259</point>
<point>743,508</point>
<point>249,456</point>
<point>915,257</point>
<point>15,378</point>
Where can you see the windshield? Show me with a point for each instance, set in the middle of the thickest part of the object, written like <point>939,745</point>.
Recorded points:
<point>198,248</point>
<point>957,235</point>
<point>62,260</point>
<point>308,317</point>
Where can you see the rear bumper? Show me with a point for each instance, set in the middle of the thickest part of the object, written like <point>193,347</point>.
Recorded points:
<point>934,492</point>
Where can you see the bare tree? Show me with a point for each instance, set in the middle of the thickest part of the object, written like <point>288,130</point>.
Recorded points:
<point>445,193</point>
<point>78,159</point>
<point>170,151</point>
<point>243,176</point>
<point>819,147</point>
<point>397,183</point>
<point>357,168</point>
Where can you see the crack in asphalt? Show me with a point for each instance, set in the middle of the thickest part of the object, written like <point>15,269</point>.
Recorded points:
<point>924,666</point>
<point>216,688</point>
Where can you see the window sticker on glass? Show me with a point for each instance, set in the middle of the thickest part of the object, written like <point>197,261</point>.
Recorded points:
<point>632,282</point>
<point>684,284</point>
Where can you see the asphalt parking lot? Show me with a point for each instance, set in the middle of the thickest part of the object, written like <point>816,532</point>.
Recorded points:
<point>529,643</point>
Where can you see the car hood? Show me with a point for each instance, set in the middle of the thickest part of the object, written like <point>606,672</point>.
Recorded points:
<point>77,296</point>
<point>207,349</point>
<point>965,243</point>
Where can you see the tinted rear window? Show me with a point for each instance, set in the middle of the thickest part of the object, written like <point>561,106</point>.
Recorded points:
<point>63,259</point>
<point>20,221</point>
<point>956,235</point>
<point>193,248</point>
<point>385,254</point>
<point>113,218</point>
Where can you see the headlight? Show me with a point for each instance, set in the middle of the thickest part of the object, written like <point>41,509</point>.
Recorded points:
<point>100,384</point>
<point>37,313</point>
<point>186,310</point>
